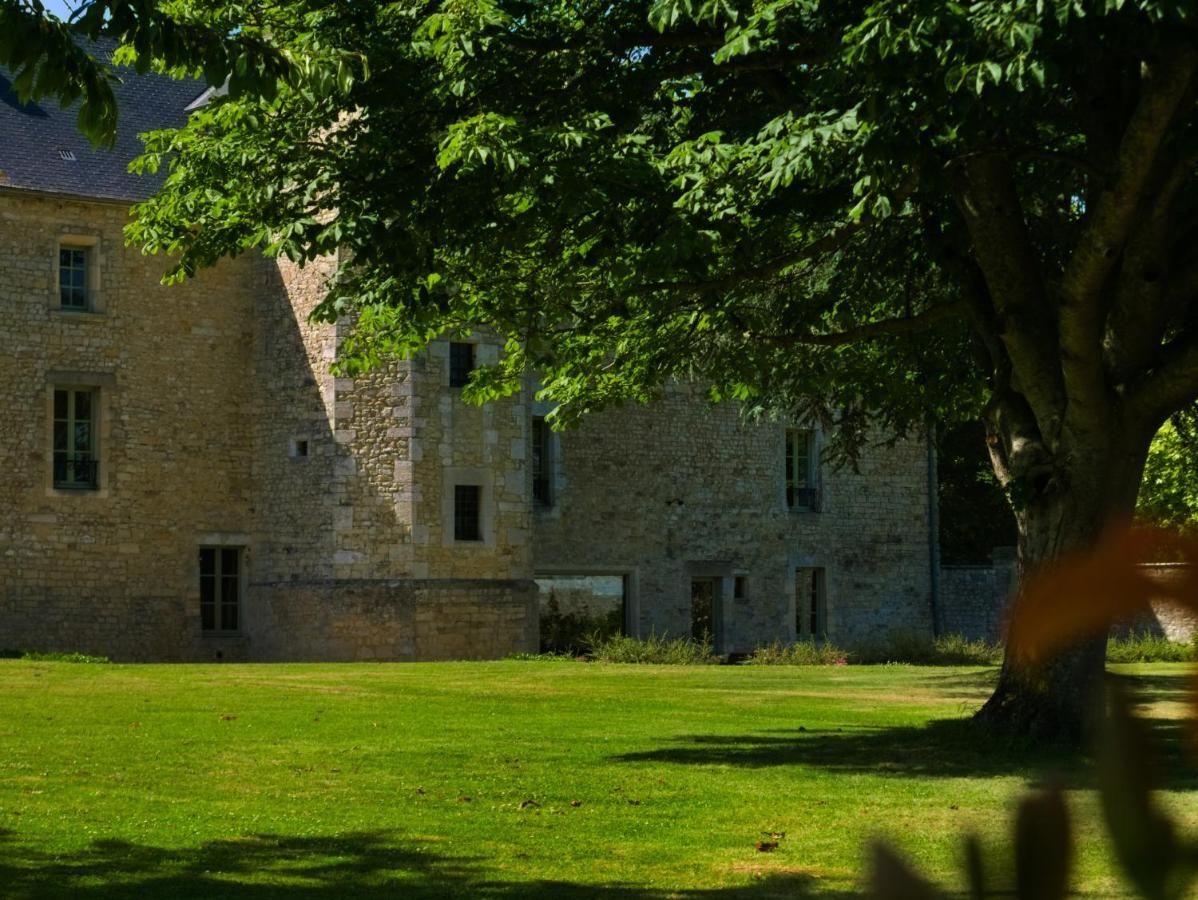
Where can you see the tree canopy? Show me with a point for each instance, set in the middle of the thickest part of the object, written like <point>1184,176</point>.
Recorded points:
<point>864,208</point>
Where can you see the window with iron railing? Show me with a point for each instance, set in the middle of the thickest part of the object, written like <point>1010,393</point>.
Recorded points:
<point>76,462</point>
<point>802,472</point>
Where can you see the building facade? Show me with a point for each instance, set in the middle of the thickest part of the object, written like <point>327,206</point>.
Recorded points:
<point>184,478</point>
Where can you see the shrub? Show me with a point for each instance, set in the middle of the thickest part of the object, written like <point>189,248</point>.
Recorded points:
<point>654,650</point>
<point>59,657</point>
<point>1142,648</point>
<point>571,632</point>
<point>801,653</point>
<point>923,650</point>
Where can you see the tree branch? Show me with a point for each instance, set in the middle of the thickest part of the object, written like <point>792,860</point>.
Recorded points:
<point>871,330</point>
<point>830,242</point>
<point>1104,235</point>
<point>984,189</point>
<point>1171,385</point>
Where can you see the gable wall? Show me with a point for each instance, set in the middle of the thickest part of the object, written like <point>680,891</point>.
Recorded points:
<point>116,571</point>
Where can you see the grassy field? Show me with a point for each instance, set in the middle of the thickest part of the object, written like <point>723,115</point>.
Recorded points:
<point>508,779</point>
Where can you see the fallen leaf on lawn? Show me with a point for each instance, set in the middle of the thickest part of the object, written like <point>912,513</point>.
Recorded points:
<point>463,799</point>
<point>766,846</point>
<point>227,718</point>
<point>576,803</point>
<point>527,804</point>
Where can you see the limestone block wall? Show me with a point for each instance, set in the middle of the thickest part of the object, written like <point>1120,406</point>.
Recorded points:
<point>974,599</point>
<point>680,489</point>
<point>455,442</point>
<point>115,570</point>
<point>398,620</point>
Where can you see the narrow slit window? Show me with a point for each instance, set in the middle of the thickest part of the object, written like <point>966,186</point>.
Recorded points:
<point>72,278</point>
<point>461,363</point>
<point>76,463</point>
<point>467,512</point>
<point>542,462</point>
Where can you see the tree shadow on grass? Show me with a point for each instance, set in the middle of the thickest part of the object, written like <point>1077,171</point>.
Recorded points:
<point>943,748</point>
<point>261,867</point>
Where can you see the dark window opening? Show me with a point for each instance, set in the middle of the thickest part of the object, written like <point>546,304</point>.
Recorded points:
<point>542,462</point>
<point>299,449</point>
<point>461,363</point>
<point>467,512</point>
<point>577,609</point>
<point>811,611</point>
<point>220,588</point>
<point>802,491</point>
<point>740,587</point>
<point>72,278</point>
<point>76,465</point>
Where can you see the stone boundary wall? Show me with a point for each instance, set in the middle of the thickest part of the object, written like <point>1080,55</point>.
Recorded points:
<point>974,600</point>
<point>1167,620</point>
<point>399,620</point>
<point>317,621</point>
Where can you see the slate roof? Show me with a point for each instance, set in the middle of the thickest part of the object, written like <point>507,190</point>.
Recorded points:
<point>35,138</point>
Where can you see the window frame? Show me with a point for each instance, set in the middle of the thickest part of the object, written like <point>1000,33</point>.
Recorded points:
<point>811,623</point>
<point>71,423</point>
<point>541,463</point>
<point>461,534</point>
<point>91,246</point>
<point>809,482</point>
<point>459,377</point>
<point>221,582</point>
<point>78,262</point>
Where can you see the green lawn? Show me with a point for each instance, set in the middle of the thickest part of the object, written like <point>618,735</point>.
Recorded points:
<point>549,780</point>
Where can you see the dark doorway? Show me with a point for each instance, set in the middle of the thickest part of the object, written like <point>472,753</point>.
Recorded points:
<point>707,612</point>
<point>811,605</point>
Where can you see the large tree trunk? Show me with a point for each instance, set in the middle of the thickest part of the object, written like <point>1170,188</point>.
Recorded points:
<point>1057,702</point>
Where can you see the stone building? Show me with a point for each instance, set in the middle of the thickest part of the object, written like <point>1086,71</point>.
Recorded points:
<point>183,478</point>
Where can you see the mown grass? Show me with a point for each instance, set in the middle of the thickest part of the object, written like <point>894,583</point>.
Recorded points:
<point>507,779</point>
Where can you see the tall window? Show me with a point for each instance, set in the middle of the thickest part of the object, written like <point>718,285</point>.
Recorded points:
<point>467,512</point>
<point>542,462</point>
<point>802,489</point>
<point>220,588</point>
<point>811,608</point>
<point>75,459</point>
<point>461,363</point>
<point>72,278</point>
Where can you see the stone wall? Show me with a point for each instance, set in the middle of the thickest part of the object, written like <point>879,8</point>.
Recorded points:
<point>221,424</point>
<point>114,570</point>
<point>682,489</point>
<point>1168,620</point>
<point>399,620</point>
<point>974,599</point>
